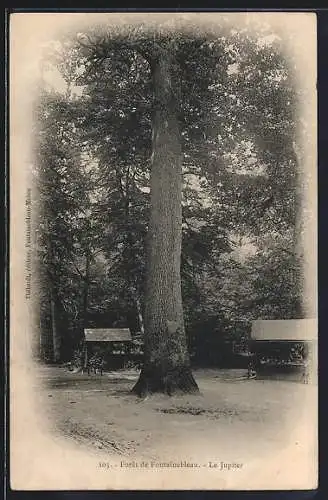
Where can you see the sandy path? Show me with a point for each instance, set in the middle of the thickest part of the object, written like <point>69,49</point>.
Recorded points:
<point>236,420</point>
<point>89,432</point>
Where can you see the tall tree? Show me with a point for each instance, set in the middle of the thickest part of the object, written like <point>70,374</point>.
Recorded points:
<point>166,365</point>
<point>180,87</point>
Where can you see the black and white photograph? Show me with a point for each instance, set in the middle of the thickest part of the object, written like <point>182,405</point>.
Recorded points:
<point>163,251</point>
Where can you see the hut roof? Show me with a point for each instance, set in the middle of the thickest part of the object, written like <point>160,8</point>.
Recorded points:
<point>285,330</point>
<point>107,335</point>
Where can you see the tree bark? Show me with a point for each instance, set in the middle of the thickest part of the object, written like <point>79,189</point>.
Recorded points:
<point>55,332</point>
<point>140,316</point>
<point>85,304</point>
<point>86,289</point>
<point>166,360</point>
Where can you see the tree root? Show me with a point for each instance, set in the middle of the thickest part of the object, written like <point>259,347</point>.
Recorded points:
<point>175,381</point>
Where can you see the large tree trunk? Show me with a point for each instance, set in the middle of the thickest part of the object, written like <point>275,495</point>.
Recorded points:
<point>166,360</point>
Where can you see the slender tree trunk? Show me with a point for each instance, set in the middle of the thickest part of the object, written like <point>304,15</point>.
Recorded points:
<point>44,329</point>
<point>298,232</point>
<point>55,331</point>
<point>140,316</point>
<point>46,333</point>
<point>166,362</point>
<point>304,235</point>
<point>85,299</point>
<point>85,307</point>
<point>135,295</point>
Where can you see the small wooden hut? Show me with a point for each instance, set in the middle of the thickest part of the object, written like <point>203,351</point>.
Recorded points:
<point>284,343</point>
<point>118,340</point>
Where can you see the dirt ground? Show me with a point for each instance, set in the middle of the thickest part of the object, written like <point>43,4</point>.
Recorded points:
<point>234,419</point>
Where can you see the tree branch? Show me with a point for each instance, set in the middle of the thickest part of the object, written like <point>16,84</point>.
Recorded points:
<point>148,48</point>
